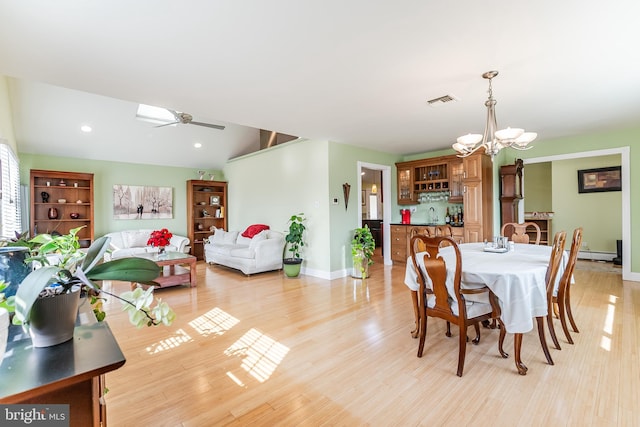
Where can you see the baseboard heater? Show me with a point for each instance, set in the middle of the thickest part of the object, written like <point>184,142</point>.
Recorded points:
<point>596,256</point>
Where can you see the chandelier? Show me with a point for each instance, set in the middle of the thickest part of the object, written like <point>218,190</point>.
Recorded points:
<point>493,140</point>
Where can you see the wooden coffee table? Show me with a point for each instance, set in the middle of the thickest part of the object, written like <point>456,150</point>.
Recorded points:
<point>177,268</point>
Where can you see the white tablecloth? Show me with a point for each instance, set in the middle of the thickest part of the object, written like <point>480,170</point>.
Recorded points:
<point>517,278</point>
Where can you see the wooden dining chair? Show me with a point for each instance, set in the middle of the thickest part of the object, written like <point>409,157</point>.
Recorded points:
<point>562,295</point>
<point>419,231</point>
<point>557,250</point>
<point>434,299</point>
<point>552,271</point>
<point>517,232</point>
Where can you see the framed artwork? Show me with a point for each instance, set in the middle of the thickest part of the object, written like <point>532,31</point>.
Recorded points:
<point>600,179</point>
<point>142,202</point>
<point>215,200</point>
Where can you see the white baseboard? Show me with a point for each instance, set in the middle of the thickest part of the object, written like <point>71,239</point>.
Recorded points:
<point>596,256</point>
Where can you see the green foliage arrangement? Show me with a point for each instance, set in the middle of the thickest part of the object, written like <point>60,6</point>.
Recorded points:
<point>63,266</point>
<point>362,245</point>
<point>295,237</point>
<point>363,242</point>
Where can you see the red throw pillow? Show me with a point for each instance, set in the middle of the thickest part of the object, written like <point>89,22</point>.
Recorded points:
<point>254,229</point>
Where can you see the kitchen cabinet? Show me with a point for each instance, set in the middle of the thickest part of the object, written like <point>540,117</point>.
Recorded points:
<point>405,184</point>
<point>456,175</point>
<point>206,211</point>
<point>401,235</point>
<point>399,243</point>
<point>61,201</point>
<point>431,176</point>
<point>478,198</point>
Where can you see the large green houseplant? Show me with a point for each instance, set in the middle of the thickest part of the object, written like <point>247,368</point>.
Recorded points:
<point>294,242</point>
<point>362,247</point>
<point>65,272</point>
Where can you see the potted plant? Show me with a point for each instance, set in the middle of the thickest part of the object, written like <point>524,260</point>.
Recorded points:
<point>294,241</point>
<point>65,272</point>
<point>362,247</point>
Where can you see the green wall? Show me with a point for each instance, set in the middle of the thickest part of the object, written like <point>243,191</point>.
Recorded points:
<point>599,214</point>
<point>538,187</point>
<point>106,174</point>
<point>343,168</point>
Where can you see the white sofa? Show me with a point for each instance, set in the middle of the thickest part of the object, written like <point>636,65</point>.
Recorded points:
<point>128,243</point>
<point>261,253</point>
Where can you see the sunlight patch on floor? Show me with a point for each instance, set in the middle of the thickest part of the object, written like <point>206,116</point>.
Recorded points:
<point>179,338</point>
<point>262,354</point>
<point>605,343</point>
<point>214,322</point>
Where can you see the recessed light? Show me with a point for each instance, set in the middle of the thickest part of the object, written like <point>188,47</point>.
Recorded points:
<point>85,128</point>
<point>197,145</point>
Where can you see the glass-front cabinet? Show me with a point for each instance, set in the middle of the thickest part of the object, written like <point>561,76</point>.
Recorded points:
<point>405,185</point>
<point>456,175</point>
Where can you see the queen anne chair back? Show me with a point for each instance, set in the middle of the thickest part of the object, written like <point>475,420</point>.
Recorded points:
<point>517,232</point>
<point>435,300</point>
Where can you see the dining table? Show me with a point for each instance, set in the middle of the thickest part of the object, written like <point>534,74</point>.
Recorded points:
<point>517,277</point>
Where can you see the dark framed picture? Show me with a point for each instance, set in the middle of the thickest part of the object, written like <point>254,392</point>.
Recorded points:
<point>600,179</point>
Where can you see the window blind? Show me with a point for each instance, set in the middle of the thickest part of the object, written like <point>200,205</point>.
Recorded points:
<point>9,193</point>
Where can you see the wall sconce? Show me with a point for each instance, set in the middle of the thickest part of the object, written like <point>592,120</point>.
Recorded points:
<point>346,188</point>
<point>374,189</point>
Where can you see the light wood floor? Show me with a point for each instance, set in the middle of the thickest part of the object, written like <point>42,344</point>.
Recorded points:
<point>268,350</point>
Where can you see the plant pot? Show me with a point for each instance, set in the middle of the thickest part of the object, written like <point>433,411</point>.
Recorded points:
<point>53,319</point>
<point>360,266</point>
<point>292,266</point>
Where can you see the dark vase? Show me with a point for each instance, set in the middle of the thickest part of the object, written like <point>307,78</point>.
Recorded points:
<point>52,213</point>
<point>13,269</point>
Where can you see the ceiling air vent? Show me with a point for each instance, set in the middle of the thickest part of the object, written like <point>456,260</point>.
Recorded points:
<point>441,100</point>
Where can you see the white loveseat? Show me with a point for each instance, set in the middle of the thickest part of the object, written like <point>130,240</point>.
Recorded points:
<point>128,243</point>
<point>261,253</point>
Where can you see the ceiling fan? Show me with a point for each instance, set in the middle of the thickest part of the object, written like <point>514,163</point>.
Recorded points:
<point>187,119</point>
<point>167,117</point>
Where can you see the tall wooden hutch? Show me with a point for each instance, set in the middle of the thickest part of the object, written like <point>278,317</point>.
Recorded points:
<point>206,211</point>
<point>61,201</point>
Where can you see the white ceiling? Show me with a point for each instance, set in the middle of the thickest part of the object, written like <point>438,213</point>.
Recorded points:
<point>352,71</point>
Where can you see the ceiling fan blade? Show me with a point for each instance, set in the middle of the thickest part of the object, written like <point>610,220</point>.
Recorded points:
<point>167,124</point>
<point>209,125</point>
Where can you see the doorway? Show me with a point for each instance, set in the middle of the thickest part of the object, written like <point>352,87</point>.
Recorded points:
<point>374,186</point>
<point>624,152</point>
